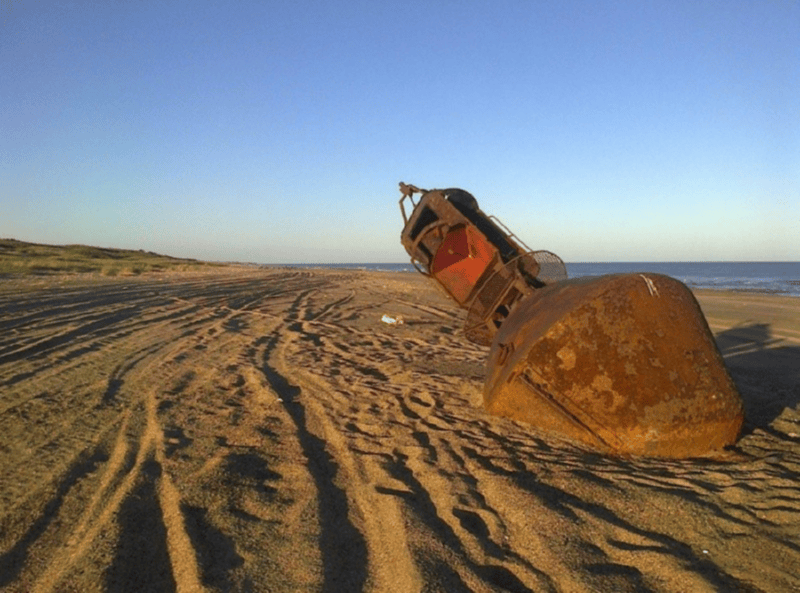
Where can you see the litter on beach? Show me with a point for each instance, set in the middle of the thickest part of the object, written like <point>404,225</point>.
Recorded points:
<point>397,320</point>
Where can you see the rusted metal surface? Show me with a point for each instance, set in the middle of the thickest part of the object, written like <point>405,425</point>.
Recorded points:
<point>478,262</point>
<point>625,363</point>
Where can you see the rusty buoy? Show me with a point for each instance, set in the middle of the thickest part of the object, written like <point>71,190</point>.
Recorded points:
<point>625,363</point>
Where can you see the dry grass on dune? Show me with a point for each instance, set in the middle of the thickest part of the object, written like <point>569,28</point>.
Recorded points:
<point>263,430</point>
<point>18,258</point>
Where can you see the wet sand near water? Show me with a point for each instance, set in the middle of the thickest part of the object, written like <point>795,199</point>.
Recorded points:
<point>264,430</point>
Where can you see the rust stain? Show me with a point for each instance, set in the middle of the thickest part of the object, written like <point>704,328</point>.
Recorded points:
<point>567,356</point>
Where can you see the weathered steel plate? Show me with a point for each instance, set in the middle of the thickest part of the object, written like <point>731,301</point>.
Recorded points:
<point>624,363</point>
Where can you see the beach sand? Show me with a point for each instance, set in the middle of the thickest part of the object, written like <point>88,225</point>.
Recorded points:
<point>265,430</point>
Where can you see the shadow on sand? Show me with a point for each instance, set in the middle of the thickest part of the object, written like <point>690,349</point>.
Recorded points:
<point>766,370</point>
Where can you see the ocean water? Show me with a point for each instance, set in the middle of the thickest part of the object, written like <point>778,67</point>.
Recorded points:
<point>770,277</point>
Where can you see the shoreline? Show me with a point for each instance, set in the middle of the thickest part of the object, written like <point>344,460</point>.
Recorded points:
<point>222,268</point>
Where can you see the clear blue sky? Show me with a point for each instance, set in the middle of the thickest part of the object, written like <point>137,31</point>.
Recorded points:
<point>277,132</point>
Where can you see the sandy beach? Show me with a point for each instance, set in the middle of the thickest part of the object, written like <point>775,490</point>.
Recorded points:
<point>258,430</point>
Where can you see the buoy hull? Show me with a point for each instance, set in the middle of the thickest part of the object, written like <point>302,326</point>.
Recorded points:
<point>624,363</point>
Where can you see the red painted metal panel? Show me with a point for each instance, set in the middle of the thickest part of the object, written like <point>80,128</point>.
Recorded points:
<point>461,260</point>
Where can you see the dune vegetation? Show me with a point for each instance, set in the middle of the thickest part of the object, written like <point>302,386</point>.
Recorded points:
<point>22,258</point>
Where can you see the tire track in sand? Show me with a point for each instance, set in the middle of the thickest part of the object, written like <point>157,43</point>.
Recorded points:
<point>104,479</point>
<point>108,498</point>
<point>349,483</point>
<point>344,553</point>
